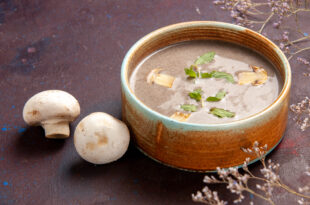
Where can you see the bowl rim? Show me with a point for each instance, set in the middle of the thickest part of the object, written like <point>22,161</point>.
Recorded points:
<point>282,95</point>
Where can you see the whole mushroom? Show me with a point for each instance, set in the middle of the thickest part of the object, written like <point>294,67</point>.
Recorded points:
<point>100,138</point>
<point>53,110</point>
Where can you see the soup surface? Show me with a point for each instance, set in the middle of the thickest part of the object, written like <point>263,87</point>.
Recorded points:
<point>239,100</point>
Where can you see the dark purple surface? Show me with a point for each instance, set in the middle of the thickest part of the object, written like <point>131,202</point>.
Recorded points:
<point>78,46</point>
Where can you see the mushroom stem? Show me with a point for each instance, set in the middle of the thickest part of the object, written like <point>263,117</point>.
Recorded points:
<point>58,130</point>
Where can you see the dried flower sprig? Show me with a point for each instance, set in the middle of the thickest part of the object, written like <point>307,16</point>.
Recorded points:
<point>303,61</point>
<point>237,181</point>
<point>208,197</point>
<point>258,15</point>
<point>302,111</point>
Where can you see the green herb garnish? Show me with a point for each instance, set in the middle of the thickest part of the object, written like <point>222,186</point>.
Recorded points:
<point>189,107</point>
<point>190,72</point>
<point>227,76</point>
<point>219,96</point>
<point>196,94</point>
<point>205,75</point>
<point>205,58</point>
<point>219,112</point>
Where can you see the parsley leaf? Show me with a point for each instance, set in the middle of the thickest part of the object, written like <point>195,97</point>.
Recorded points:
<point>219,96</point>
<point>205,58</point>
<point>219,112</point>
<point>196,94</point>
<point>205,75</point>
<point>189,107</point>
<point>227,76</point>
<point>190,72</point>
<point>213,99</point>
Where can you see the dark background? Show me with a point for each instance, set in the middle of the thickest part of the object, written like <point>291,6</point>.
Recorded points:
<point>78,46</point>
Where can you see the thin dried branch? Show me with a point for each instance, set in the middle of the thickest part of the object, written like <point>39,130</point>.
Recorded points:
<point>237,182</point>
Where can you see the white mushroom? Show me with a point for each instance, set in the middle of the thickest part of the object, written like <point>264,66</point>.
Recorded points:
<point>257,77</point>
<point>180,116</point>
<point>160,79</point>
<point>100,138</point>
<point>53,110</point>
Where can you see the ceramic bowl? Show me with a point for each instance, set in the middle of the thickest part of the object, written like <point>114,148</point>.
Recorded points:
<point>203,147</point>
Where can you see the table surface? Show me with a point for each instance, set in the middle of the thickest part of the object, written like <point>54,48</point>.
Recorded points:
<point>78,46</point>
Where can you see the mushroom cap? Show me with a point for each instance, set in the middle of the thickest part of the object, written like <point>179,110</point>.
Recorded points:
<point>100,138</point>
<point>51,107</point>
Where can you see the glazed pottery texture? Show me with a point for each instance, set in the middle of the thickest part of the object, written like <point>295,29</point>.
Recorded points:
<point>203,147</point>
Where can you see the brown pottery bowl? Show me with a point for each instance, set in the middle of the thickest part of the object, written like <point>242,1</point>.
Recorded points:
<point>203,147</point>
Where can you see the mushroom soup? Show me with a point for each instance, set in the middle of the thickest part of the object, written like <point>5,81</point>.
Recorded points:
<point>206,82</point>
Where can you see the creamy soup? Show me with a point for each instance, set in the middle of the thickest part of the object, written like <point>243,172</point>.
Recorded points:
<point>235,93</point>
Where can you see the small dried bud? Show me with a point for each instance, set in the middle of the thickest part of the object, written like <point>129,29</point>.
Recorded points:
<point>265,147</point>
<point>304,189</point>
<point>301,201</point>
<point>244,150</point>
<point>255,144</point>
